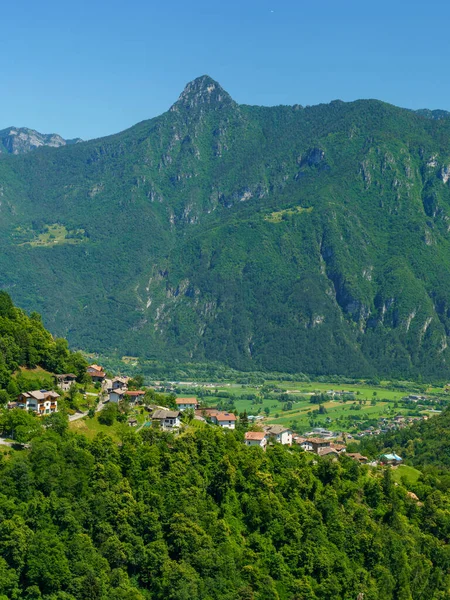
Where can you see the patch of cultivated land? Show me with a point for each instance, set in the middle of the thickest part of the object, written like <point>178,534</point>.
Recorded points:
<point>369,403</point>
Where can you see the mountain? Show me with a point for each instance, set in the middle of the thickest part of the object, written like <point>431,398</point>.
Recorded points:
<point>312,239</point>
<point>18,140</point>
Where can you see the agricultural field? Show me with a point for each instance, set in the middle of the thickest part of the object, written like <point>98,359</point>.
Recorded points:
<point>289,403</point>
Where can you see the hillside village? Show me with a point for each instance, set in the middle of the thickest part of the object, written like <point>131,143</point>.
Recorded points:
<point>178,412</point>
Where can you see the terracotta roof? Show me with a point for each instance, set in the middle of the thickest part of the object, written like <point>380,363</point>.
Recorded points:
<point>96,367</point>
<point>255,435</point>
<point>221,416</point>
<point>134,393</point>
<point>186,401</point>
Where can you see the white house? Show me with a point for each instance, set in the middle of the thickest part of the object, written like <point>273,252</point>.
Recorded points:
<point>256,438</point>
<point>168,419</point>
<point>280,434</point>
<point>116,395</point>
<point>225,420</point>
<point>185,403</point>
<point>41,402</point>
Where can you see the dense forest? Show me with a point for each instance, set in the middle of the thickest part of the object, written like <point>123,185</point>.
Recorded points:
<point>201,516</point>
<point>296,239</point>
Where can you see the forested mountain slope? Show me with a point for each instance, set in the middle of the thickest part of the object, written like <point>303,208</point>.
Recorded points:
<point>204,517</point>
<point>297,239</point>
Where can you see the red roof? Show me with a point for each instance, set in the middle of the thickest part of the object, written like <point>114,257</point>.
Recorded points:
<point>221,416</point>
<point>255,435</point>
<point>134,393</point>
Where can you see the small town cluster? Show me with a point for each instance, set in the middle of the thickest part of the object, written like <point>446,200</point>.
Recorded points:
<point>115,390</point>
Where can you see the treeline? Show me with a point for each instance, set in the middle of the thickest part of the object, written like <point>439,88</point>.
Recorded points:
<point>203,517</point>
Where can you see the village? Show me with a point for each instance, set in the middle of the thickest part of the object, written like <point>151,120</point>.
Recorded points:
<point>258,430</point>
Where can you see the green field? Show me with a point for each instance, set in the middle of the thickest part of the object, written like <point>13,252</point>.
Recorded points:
<point>91,427</point>
<point>349,416</point>
<point>409,474</point>
<point>56,234</point>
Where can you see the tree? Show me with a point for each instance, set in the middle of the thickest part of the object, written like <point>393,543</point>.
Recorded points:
<point>58,422</point>
<point>109,414</point>
<point>20,425</point>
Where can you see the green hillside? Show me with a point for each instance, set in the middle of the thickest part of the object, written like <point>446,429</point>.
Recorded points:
<point>288,238</point>
<point>203,517</point>
<point>425,444</point>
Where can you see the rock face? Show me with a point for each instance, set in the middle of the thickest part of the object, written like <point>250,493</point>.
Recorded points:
<point>19,140</point>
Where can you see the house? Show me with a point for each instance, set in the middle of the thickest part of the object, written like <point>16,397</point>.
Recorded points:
<point>132,422</point>
<point>206,412</point>
<point>390,459</point>
<point>168,419</point>
<point>96,373</point>
<point>42,402</point>
<point>358,457</point>
<point>185,403</point>
<point>64,382</point>
<point>329,452</point>
<point>319,444</point>
<point>280,434</point>
<point>254,418</point>
<point>120,383</point>
<point>225,420</point>
<point>116,395</point>
<point>306,445</point>
<point>134,395</point>
<point>340,448</point>
<point>255,438</point>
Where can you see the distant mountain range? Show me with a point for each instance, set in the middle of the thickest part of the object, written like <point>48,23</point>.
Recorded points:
<point>18,140</point>
<point>311,239</point>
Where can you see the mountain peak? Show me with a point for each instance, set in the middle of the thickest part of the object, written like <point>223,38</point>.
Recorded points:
<point>19,140</point>
<point>203,91</point>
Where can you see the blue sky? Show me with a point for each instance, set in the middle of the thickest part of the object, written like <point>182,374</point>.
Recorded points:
<point>91,68</point>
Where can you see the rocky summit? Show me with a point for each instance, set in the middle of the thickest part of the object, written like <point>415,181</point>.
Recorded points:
<point>18,140</point>
<point>312,239</point>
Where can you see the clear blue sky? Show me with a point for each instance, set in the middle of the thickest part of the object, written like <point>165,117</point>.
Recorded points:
<point>91,68</point>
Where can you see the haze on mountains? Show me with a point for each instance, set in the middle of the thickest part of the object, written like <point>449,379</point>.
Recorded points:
<point>310,239</point>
